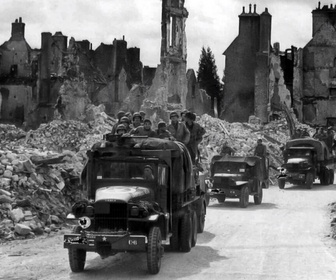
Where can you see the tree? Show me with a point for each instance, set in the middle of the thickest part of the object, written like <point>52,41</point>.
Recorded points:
<point>207,76</point>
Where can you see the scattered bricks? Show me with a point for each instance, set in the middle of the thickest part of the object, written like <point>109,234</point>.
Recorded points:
<point>22,229</point>
<point>5,199</point>
<point>23,203</point>
<point>9,167</point>
<point>5,192</point>
<point>29,166</point>
<point>54,219</point>
<point>5,182</point>
<point>38,231</point>
<point>7,206</point>
<point>15,178</point>
<point>7,223</point>
<point>16,214</point>
<point>8,174</point>
<point>28,216</point>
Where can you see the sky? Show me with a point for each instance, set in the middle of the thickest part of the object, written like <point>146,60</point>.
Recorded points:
<point>211,23</point>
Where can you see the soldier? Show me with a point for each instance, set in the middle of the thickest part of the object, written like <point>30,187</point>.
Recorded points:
<point>183,113</point>
<point>148,173</point>
<point>121,129</point>
<point>227,150</point>
<point>126,122</point>
<point>143,115</point>
<point>162,131</point>
<point>196,135</point>
<point>119,116</point>
<point>178,129</point>
<point>260,149</point>
<point>145,130</point>
<point>137,120</point>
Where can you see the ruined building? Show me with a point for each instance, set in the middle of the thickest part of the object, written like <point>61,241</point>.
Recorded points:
<point>30,80</point>
<point>315,70</point>
<point>247,68</point>
<point>18,75</point>
<point>173,88</point>
<point>33,82</point>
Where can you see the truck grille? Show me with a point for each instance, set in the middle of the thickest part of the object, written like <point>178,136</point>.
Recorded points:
<point>110,217</point>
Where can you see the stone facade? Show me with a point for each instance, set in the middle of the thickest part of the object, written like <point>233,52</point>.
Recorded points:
<point>247,68</point>
<point>315,70</point>
<point>31,81</point>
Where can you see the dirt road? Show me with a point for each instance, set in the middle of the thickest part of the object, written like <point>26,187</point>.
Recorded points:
<point>283,238</point>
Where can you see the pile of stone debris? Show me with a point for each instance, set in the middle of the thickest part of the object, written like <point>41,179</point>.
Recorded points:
<point>40,169</point>
<point>242,137</point>
<point>39,173</point>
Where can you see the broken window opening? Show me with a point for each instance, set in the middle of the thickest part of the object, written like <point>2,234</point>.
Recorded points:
<point>14,70</point>
<point>193,91</point>
<point>332,93</point>
<point>171,30</point>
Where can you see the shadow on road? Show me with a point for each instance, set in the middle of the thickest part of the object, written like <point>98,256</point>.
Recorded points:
<point>234,205</point>
<point>316,187</point>
<point>134,266</point>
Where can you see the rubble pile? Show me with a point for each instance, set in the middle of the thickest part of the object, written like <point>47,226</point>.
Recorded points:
<point>242,137</point>
<point>39,173</point>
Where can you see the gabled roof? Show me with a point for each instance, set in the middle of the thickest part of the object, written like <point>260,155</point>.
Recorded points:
<point>325,35</point>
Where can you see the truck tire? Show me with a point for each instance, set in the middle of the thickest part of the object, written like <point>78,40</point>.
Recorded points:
<point>154,250</point>
<point>258,197</point>
<point>326,177</point>
<point>244,197</point>
<point>331,176</point>
<point>201,218</point>
<point>186,233</point>
<point>309,180</point>
<point>194,229</point>
<point>281,183</point>
<point>174,242</point>
<point>221,199</point>
<point>77,257</point>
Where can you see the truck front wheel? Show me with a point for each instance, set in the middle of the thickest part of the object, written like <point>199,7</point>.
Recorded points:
<point>244,197</point>
<point>77,257</point>
<point>194,229</point>
<point>258,197</point>
<point>201,219</point>
<point>186,233</point>
<point>281,183</point>
<point>309,180</point>
<point>332,176</point>
<point>154,250</point>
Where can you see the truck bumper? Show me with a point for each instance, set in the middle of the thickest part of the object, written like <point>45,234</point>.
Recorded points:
<point>118,243</point>
<point>225,192</point>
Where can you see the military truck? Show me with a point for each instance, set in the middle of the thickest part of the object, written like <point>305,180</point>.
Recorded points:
<point>127,212</point>
<point>238,177</point>
<point>306,159</point>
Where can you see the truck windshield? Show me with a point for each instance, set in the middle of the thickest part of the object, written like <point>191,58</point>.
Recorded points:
<point>298,153</point>
<point>229,167</point>
<point>126,170</point>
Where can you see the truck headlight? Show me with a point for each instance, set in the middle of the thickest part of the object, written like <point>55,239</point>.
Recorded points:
<point>134,211</point>
<point>84,222</point>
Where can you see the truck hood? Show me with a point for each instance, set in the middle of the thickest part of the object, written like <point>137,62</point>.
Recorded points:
<point>121,193</point>
<point>296,160</point>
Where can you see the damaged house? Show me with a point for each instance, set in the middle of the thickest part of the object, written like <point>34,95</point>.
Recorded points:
<point>315,70</point>
<point>31,81</point>
<point>247,68</point>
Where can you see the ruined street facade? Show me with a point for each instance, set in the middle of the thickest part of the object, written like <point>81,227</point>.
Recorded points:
<point>32,81</point>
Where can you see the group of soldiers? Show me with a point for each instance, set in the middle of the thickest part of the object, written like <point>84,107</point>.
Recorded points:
<point>326,135</point>
<point>183,128</point>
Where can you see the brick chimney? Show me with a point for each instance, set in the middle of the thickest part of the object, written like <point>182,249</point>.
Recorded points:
<point>18,29</point>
